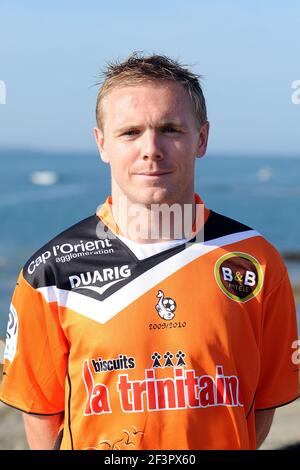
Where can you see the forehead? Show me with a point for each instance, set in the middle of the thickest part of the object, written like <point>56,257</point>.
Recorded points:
<point>154,100</point>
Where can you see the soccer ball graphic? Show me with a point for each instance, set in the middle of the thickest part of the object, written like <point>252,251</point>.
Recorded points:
<point>165,307</point>
<point>169,304</point>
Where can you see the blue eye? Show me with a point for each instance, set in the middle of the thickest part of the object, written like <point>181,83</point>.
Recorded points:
<point>131,132</point>
<point>170,129</point>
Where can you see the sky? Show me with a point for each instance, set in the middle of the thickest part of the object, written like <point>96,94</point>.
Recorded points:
<point>51,54</point>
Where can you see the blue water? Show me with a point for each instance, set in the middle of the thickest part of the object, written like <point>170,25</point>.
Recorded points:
<point>261,192</point>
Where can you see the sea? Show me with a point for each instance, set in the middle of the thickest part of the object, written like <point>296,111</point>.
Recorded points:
<point>43,193</point>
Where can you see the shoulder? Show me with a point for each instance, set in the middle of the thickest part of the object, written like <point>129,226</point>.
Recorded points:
<point>68,245</point>
<point>219,225</point>
<point>233,235</point>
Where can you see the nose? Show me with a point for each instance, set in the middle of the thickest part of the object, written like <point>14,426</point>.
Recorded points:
<point>151,149</point>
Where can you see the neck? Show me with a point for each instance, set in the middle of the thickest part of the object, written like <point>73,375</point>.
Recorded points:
<point>154,223</point>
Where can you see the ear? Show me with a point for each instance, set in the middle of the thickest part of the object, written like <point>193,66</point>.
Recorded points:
<point>203,139</point>
<point>100,141</point>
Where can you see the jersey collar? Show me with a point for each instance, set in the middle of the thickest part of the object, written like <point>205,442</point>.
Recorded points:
<point>105,214</point>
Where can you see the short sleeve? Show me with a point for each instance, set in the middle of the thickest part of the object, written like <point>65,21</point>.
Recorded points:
<point>36,352</point>
<point>279,373</point>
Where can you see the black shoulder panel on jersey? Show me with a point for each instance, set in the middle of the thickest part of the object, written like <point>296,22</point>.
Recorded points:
<point>70,244</point>
<point>90,260</point>
<point>218,225</point>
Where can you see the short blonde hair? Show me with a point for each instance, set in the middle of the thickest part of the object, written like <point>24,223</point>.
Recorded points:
<point>138,68</point>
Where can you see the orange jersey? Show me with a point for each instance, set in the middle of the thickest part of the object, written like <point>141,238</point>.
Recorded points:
<point>175,351</point>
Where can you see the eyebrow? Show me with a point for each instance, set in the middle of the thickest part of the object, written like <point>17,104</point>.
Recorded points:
<point>159,126</point>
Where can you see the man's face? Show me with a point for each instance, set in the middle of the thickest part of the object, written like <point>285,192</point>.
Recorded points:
<point>150,138</point>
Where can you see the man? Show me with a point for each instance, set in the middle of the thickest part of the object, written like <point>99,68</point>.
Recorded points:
<point>127,332</point>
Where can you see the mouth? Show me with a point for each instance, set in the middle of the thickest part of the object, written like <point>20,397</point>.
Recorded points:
<point>154,173</point>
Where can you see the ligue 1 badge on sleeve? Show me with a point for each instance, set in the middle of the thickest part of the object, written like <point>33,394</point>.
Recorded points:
<point>11,335</point>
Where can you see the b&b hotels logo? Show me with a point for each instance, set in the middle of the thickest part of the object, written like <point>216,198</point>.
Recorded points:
<point>239,276</point>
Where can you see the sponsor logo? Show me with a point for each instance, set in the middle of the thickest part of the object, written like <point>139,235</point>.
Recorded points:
<point>118,363</point>
<point>182,388</point>
<point>67,251</point>
<point>113,275</point>
<point>168,359</point>
<point>11,335</point>
<point>97,394</point>
<point>239,276</point>
<point>166,306</point>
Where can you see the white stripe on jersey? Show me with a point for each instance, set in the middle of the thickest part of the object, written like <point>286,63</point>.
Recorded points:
<point>105,310</point>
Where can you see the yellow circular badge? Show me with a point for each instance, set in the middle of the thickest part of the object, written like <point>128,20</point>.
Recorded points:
<point>239,276</point>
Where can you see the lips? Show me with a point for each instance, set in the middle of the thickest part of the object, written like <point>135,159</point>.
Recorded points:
<point>154,173</point>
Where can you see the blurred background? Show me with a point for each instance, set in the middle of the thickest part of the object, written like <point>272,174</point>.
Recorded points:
<point>51,55</point>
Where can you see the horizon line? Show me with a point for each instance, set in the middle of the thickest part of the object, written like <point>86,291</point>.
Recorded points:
<point>216,154</point>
